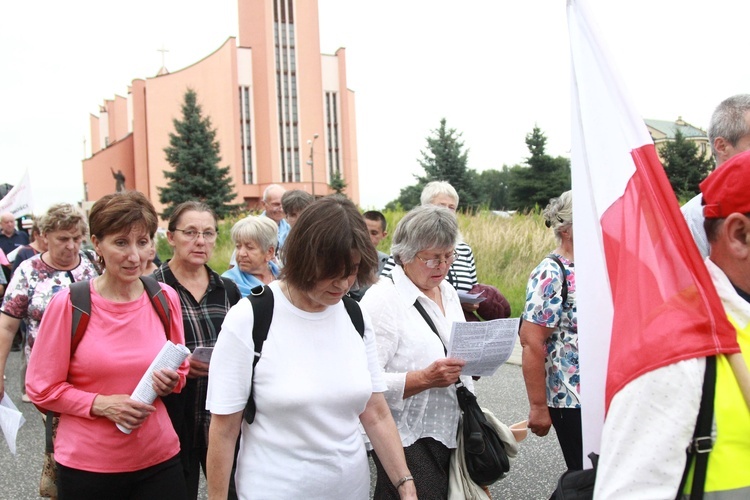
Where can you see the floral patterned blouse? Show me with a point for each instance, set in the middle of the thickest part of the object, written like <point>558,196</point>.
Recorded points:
<point>32,286</point>
<point>544,307</point>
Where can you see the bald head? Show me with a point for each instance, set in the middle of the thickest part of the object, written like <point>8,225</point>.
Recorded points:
<point>8,222</point>
<point>272,202</point>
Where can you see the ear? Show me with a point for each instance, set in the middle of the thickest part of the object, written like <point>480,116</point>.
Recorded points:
<point>270,253</point>
<point>723,149</point>
<point>95,242</point>
<point>170,239</point>
<point>737,228</point>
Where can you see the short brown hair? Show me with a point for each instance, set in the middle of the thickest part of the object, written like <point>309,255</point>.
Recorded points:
<point>321,244</point>
<point>188,206</point>
<point>119,212</point>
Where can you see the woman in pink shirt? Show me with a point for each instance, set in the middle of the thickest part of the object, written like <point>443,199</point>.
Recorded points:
<point>90,388</point>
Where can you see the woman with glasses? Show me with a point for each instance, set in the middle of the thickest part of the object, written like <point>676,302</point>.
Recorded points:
<point>420,378</point>
<point>205,298</point>
<point>254,241</point>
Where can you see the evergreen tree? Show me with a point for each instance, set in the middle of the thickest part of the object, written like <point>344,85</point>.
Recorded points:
<point>685,166</point>
<point>338,185</point>
<point>445,160</point>
<point>543,178</point>
<point>194,155</point>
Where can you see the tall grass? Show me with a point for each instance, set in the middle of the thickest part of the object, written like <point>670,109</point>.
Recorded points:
<point>505,249</point>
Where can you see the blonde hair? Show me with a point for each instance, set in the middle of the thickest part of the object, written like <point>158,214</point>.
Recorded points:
<point>559,213</point>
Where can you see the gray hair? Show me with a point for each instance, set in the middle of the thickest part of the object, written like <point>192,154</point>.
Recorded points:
<point>434,189</point>
<point>728,120</point>
<point>295,201</point>
<point>63,216</point>
<point>559,213</point>
<point>271,187</point>
<point>258,229</point>
<point>424,227</point>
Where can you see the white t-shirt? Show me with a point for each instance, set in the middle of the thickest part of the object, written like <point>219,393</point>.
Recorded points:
<point>314,379</point>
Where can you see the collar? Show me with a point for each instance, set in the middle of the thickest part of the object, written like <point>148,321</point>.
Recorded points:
<point>408,291</point>
<point>735,305</point>
<point>214,280</point>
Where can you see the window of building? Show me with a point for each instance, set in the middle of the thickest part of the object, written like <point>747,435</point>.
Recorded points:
<point>246,143</point>
<point>286,89</point>
<point>333,151</point>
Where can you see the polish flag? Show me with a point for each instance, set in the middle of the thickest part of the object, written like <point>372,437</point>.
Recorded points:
<point>644,296</point>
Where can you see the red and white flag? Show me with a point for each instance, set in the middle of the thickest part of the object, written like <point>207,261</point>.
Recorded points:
<point>644,296</point>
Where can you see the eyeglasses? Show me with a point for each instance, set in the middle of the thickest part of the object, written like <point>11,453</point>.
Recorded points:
<point>192,234</point>
<point>435,263</point>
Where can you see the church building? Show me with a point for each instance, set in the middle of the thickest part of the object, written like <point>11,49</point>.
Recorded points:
<point>281,110</point>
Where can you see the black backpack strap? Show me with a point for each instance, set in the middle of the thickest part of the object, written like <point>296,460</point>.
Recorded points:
<point>262,301</point>
<point>159,301</point>
<point>702,443</point>
<point>355,314</point>
<point>564,293</point>
<point>80,298</point>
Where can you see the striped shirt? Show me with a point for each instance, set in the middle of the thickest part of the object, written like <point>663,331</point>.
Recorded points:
<point>202,321</point>
<point>462,273</point>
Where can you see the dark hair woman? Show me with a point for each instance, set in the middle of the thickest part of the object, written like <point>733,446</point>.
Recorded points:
<point>316,381</point>
<point>90,387</point>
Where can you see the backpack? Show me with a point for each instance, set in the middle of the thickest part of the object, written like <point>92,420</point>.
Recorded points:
<point>80,299</point>
<point>263,314</point>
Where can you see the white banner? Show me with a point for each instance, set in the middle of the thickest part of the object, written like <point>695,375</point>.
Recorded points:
<point>18,200</point>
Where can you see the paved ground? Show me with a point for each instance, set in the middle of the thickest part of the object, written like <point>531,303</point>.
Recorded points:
<point>532,477</point>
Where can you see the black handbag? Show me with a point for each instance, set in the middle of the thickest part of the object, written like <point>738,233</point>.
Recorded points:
<point>484,451</point>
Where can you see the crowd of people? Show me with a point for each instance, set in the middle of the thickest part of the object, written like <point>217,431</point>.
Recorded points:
<point>339,348</point>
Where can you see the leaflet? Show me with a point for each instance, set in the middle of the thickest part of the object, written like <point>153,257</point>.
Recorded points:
<point>11,421</point>
<point>471,298</point>
<point>484,345</point>
<point>203,354</point>
<point>171,356</point>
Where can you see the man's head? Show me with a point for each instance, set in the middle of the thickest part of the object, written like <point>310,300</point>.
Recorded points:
<point>272,202</point>
<point>8,223</point>
<point>729,130</point>
<point>375,226</point>
<point>294,202</point>
<point>726,199</point>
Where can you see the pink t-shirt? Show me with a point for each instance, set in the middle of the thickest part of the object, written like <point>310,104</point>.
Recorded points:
<point>121,340</point>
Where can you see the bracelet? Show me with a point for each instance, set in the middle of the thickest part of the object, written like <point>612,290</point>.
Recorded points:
<point>403,480</point>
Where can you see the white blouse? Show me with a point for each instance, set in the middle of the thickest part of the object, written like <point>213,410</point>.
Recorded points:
<point>407,343</point>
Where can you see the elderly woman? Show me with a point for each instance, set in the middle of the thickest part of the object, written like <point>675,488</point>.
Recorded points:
<point>38,278</point>
<point>549,338</point>
<point>462,274</point>
<point>420,378</point>
<point>255,241</point>
<point>89,381</point>
<point>205,298</point>
<point>316,380</point>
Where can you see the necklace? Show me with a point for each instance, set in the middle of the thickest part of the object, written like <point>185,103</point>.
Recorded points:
<point>289,292</point>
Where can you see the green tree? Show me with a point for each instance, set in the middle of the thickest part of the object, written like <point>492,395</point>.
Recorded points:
<point>445,160</point>
<point>685,165</point>
<point>408,198</point>
<point>337,184</point>
<point>194,155</point>
<point>492,187</point>
<point>542,178</point>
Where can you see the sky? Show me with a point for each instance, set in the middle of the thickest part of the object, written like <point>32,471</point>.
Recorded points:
<point>492,68</point>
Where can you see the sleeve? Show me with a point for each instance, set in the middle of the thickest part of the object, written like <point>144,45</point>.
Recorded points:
<point>649,425</point>
<point>388,266</point>
<point>544,295</point>
<point>387,334</point>
<point>17,297</point>
<point>371,348</point>
<point>231,369</point>
<point>177,333</point>
<point>471,265</point>
<point>47,374</point>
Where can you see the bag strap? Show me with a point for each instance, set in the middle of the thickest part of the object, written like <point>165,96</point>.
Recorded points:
<point>702,442</point>
<point>80,298</point>
<point>420,308</point>
<point>564,293</point>
<point>262,303</point>
<point>159,301</point>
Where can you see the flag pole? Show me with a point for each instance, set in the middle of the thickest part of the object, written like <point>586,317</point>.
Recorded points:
<point>741,373</point>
